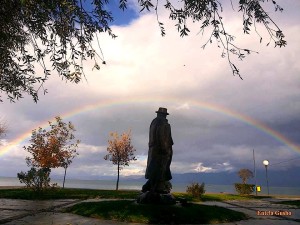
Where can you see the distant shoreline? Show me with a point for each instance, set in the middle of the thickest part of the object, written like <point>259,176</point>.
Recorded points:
<point>11,187</point>
<point>137,185</point>
<point>297,197</point>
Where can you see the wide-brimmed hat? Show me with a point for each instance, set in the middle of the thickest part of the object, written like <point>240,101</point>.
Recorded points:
<point>162,110</point>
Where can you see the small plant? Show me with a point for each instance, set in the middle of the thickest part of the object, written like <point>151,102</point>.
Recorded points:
<point>37,179</point>
<point>196,190</point>
<point>244,189</point>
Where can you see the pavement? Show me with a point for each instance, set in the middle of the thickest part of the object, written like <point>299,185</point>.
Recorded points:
<point>50,212</point>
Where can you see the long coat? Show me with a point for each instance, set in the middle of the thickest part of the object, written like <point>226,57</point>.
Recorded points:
<point>160,150</point>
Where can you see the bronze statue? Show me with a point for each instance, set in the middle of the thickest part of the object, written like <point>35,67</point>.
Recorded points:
<point>160,154</point>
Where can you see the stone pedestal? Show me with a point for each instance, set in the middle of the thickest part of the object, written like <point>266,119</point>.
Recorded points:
<point>156,198</point>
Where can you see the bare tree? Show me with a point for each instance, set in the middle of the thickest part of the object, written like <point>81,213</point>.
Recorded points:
<point>120,151</point>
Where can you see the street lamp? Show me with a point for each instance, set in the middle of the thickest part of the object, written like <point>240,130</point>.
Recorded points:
<point>266,163</point>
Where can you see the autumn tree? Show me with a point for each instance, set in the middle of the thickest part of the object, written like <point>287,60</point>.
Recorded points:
<point>3,129</point>
<point>52,148</point>
<point>120,151</point>
<point>244,188</point>
<point>36,31</point>
<point>245,174</point>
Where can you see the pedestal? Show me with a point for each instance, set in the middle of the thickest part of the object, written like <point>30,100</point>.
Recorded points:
<point>156,198</point>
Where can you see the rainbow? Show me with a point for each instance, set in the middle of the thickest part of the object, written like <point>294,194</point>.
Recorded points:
<point>166,102</point>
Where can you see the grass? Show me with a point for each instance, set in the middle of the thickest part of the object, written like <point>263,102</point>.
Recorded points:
<point>129,211</point>
<point>226,197</point>
<point>217,197</point>
<point>293,203</point>
<point>67,193</point>
<point>75,193</point>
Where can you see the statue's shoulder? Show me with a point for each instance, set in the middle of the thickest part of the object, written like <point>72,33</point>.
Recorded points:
<point>154,121</point>
<point>164,124</point>
<point>159,122</point>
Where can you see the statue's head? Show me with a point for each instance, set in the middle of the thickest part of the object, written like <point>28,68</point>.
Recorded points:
<point>162,112</point>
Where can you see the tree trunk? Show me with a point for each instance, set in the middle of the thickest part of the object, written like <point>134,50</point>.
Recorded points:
<point>117,186</point>
<point>65,177</point>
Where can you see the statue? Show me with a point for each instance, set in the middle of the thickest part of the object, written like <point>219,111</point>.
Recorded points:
<point>157,188</point>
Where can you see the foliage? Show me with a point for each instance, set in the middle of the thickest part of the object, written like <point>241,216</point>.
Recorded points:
<point>244,189</point>
<point>37,179</point>
<point>36,31</point>
<point>209,14</point>
<point>49,149</point>
<point>53,148</point>
<point>3,129</point>
<point>245,174</point>
<point>59,30</point>
<point>130,212</point>
<point>196,190</point>
<point>120,151</point>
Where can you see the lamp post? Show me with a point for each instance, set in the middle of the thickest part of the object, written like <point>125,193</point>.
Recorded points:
<point>266,163</point>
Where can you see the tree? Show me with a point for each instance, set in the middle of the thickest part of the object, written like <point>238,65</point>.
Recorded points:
<point>244,188</point>
<point>120,151</point>
<point>53,148</point>
<point>3,128</point>
<point>62,31</point>
<point>245,174</point>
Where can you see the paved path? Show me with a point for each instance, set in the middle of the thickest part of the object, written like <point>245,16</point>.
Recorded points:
<point>25,212</point>
<point>262,212</point>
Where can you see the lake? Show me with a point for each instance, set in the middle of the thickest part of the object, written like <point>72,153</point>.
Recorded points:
<point>137,185</point>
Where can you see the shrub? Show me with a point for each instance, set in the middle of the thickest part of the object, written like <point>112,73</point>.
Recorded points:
<point>244,189</point>
<point>196,190</point>
<point>37,179</point>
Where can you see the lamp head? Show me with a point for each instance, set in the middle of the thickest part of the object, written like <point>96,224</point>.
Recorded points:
<point>266,162</point>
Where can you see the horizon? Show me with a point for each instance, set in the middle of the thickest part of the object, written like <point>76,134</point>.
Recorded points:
<point>209,178</point>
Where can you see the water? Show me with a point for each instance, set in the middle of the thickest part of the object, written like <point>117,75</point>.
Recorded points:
<point>137,185</point>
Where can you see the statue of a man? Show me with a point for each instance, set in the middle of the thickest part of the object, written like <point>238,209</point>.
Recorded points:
<point>160,155</point>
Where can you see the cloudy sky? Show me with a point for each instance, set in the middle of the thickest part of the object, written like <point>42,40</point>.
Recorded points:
<point>217,119</point>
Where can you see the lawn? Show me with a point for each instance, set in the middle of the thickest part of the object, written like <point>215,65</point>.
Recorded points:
<point>124,207</point>
<point>76,193</point>
<point>292,203</point>
<point>67,193</point>
<point>217,197</point>
<point>130,211</point>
